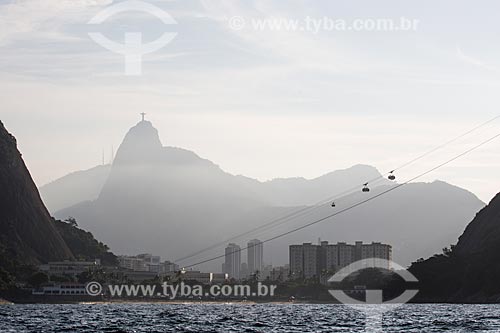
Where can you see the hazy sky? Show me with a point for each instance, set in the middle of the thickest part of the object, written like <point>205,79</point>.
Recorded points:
<point>266,103</point>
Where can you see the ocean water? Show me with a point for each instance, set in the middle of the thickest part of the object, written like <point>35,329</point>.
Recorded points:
<point>242,318</point>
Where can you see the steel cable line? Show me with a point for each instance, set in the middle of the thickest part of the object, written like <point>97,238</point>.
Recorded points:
<point>306,210</point>
<point>356,204</point>
<point>446,143</point>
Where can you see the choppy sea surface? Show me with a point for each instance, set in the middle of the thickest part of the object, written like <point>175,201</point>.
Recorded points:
<point>242,318</point>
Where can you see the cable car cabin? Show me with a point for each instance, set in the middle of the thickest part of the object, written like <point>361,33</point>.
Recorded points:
<point>333,204</point>
<point>391,177</point>
<point>366,189</point>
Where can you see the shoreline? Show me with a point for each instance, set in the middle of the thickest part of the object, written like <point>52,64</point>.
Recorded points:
<point>205,302</point>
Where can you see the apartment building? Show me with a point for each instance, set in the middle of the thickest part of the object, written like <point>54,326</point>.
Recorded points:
<point>311,261</point>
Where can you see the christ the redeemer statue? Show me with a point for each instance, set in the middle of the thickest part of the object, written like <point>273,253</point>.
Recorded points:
<point>142,114</point>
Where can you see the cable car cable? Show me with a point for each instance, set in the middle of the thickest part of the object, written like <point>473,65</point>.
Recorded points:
<point>335,197</point>
<point>356,204</point>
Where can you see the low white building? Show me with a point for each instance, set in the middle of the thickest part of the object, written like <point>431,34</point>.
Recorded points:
<point>147,262</point>
<point>219,278</point>
<point>279,273</point>
<point>168,267</point>
<point>197,276</point>
<point>69,268</point>
<point>132,263</point>
<point>202,277</point>
<point>62,289</point>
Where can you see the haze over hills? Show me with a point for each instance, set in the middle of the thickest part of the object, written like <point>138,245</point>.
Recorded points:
<point>86,185</point>
<point>171,202</point>
<point>75,187</point>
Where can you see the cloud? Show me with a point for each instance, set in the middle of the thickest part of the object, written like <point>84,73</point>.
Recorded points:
<point>271,77</point>
<point>42,18</point>
<point>475,62</point>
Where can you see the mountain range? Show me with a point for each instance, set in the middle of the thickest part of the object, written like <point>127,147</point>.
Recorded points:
<point>171,202</point>
<point>465,272</point>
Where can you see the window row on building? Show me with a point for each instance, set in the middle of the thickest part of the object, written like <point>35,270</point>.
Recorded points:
<point>310,260</point>
<point>147,262</point>
<point>232,262</point>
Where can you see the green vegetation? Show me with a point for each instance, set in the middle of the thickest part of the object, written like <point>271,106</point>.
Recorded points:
<point>82,243</point>
<point>11,270</point>
<point>38,279</point>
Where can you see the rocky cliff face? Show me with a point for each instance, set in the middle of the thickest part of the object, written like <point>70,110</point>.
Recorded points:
<point>469,271</point>
<point>26,229</point>
<point>483,233</point>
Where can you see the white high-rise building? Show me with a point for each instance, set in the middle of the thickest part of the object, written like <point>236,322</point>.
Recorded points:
<point>232,263</point>
<point>255,256</point>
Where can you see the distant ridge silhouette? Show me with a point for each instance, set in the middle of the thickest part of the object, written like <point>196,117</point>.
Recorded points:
<point>172,202</point>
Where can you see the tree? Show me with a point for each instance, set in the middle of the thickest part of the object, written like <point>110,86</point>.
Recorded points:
<point>255,277</point>
<point>6,279</point>
<point>71,221</point>
<point>37,279</point>
<point>63,278</point>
